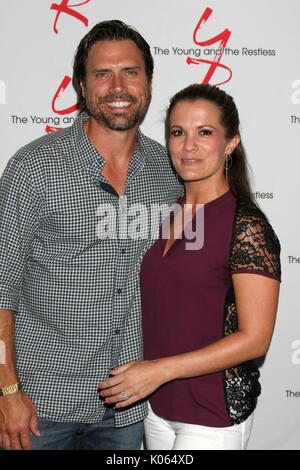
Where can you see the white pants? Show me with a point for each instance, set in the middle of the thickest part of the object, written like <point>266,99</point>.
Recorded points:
<point>162,434</point>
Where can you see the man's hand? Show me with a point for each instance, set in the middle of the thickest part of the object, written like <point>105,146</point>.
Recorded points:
<point>17,418</point>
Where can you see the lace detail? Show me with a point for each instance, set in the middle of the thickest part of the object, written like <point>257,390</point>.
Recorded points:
<point>241,382</point>
<point>255,246</point>
<point>242,389</point>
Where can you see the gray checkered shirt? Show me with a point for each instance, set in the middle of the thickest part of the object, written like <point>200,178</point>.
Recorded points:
<point>75,295</point>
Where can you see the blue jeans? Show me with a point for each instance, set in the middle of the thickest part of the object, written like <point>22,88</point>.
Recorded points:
<point>88,436</point>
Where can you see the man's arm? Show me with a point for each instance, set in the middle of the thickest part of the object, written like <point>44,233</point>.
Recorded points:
<point>17,413</point>
<point>8,373</point>
<point>19,210</point>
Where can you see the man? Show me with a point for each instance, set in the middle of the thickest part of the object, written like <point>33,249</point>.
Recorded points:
<point>69,295</point>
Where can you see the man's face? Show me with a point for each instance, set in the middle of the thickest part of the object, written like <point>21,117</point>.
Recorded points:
<point>116,88</point>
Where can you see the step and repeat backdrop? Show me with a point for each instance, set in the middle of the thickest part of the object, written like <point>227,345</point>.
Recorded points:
<point>251,49</point>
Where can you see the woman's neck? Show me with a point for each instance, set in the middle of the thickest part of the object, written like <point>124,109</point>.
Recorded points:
<point>202,192</point>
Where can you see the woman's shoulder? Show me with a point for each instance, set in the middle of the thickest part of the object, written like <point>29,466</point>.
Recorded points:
<point>249,210</point>
<point>254,241</point>
<point>248,214</point>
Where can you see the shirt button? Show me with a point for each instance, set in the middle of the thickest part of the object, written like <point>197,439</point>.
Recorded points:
<point>119,291</point>
<point>117,331</point>
<point>123,251</point>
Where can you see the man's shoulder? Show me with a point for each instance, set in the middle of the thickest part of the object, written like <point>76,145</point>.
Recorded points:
<point>150,146</point>
<point>43,147</point>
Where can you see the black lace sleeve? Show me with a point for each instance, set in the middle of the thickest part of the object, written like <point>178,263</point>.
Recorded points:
<point>255,246</point>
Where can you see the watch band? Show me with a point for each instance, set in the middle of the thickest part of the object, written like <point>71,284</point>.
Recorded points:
<point>10,389</point>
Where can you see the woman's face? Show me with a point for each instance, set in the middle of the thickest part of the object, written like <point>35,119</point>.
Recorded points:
<point>197,141</point>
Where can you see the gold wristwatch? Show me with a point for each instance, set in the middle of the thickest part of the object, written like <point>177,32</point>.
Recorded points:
<point>10,389</point>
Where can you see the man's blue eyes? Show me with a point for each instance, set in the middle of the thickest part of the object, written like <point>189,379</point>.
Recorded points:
<point>130,73</point>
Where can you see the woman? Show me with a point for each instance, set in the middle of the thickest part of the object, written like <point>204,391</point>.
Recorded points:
<point>207,312</point>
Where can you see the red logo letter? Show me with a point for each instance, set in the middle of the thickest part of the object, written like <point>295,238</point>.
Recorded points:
<point>50,129</point>
<point>65,8</point>
<point>64,84</point>
<point>222,37</point>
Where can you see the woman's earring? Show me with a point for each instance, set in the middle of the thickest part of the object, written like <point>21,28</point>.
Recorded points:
<point>228,164</point>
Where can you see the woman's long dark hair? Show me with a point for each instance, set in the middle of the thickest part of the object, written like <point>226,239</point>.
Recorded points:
<point>238,174</point>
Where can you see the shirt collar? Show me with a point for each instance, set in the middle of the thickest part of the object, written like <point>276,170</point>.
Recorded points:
<point>91,161</point>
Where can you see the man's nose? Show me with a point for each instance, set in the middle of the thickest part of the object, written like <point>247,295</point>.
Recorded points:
<point>117,84</point>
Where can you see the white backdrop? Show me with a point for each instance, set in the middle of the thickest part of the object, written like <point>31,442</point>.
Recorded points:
<point>261,66</point>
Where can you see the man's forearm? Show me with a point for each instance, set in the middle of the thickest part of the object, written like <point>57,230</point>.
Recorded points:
<point>8,373</point>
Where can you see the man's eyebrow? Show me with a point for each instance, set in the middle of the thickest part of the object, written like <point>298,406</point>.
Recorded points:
<point>127,67</point>
<point>133,67</point>
<point>100,70</point>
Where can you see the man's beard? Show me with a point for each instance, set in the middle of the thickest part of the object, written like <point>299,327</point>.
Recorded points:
<point>121,121</point>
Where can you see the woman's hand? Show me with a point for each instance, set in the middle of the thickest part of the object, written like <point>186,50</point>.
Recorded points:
<point>132,382</point>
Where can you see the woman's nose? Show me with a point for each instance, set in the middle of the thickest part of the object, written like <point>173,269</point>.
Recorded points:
<point>190,144</point>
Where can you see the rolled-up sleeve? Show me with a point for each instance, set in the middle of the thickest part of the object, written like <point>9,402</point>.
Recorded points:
<point>19,214</point>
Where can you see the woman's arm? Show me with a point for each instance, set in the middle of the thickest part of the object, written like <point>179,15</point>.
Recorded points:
<point>256,302</point>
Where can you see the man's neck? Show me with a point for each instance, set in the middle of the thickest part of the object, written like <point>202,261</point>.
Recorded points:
<point>116,147</point>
